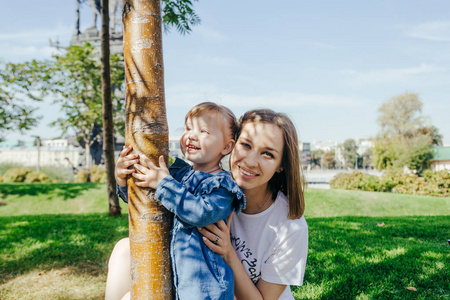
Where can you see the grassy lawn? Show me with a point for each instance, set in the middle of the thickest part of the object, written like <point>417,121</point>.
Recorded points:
<point>55,240</point>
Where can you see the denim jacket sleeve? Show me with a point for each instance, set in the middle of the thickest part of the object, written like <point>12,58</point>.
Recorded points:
<point>122,192</point>
<point>213,201</point>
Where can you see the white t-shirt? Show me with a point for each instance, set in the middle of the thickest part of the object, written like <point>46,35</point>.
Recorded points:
<point>271,246</point>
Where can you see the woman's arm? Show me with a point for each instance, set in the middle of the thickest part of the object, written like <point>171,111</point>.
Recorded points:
<point>243,285</point>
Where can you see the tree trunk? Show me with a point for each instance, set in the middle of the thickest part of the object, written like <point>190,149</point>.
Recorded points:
<point>88,159</point>
<point>146,130</point>
<point>108,123</point>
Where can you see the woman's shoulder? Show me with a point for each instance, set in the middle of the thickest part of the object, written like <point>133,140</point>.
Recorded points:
<point>282,210</point>
<point>222,180</point>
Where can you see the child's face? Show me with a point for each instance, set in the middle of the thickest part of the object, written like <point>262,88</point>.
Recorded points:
<point>203,141</point>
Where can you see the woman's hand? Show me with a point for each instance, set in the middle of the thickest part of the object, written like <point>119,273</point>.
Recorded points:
<point>150,175</point>
<point>217,238</point>
<point>123,164</point>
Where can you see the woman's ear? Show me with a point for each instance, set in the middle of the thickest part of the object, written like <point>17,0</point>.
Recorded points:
<point>280,170</point>
<point>228,147</point>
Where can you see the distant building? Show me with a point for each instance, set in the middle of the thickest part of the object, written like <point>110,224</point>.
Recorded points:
<point>305,154</point>
<point>174,147</point>
<point>441,159</point>
<point>58,153</point>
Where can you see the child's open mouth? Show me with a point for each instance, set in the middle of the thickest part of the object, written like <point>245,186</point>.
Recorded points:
<point>192,147</point>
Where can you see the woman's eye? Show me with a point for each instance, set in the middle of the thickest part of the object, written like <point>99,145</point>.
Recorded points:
<point>245,145</point>
<point>204,131</point>
<point>268,154</point>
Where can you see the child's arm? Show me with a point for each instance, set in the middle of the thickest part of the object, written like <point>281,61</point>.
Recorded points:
<point>197,210</point>
<point>123,164</point>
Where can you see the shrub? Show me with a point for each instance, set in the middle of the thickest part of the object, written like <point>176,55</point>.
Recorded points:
<point>355,181</point>
<point>81,176</point>
<point>431,184</point>
<point>34,176</point>
<point>96,174</point>
<point>15,175</point>
<point>23,175</point>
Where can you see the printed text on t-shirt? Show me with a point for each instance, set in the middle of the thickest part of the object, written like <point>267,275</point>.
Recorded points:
<point>249,264</point>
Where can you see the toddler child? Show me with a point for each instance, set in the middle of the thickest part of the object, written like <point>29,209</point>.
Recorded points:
<point>197,196</point>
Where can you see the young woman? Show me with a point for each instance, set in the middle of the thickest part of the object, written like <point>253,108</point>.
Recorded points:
<point>269,239</point>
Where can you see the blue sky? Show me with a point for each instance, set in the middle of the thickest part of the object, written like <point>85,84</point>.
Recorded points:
<point>328,64</point>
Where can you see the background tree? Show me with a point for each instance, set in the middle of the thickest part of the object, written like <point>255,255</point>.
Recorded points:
<point>405,138</point>
<point>365,160</point>
<point>76,85</point>
<point>433,132</point>
<point>147,132</point>
<point>73,80</point>
<point>108,122</point>
<point>16,113</point>
<point>350,153</point>
<point>328,160</point>
<point>316,158</point>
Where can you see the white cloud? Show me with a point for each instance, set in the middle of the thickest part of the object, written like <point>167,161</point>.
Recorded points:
<point>391,75</point>
<point>36,35</point>
<point>434,31</point>
<point>189,95</point>
<point>210,34</point>
<point>32,44</point>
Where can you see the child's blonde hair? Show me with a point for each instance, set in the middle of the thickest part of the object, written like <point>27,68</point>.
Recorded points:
<point>226,113</point>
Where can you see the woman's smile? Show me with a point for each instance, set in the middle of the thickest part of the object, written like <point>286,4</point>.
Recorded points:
<point>247,172</point>
<point>257,155</point>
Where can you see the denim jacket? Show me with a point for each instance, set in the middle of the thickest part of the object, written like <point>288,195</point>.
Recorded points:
<point>197,199</point>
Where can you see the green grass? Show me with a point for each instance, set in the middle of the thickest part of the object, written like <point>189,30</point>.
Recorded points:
<point>334,203</point>
<point>55,240</point>
<point>354,258</point>
<point>57,198</point>
<point>64,254</point>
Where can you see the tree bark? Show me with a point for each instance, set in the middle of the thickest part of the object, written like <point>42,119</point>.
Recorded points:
<point>108,123</point>
<point>146,130</point>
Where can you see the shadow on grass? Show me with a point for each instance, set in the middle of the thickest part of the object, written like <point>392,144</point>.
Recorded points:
<point>62,190</point>
<point>353,257</point>
<point>349,257</point>
<point>82,242</point>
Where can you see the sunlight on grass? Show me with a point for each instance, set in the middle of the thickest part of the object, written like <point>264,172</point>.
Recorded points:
<point>430,254</point>
<point>78,239</point>
<point>17,224</point>
<point>394,252</point>
<point>27,246</point>
<point>122,229</point>
<point>64,283</point>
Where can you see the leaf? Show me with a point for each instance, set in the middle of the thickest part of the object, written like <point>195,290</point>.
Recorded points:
<point>411,288</point>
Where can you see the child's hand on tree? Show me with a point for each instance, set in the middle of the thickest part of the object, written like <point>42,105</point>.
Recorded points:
<point>149,174</point>
<point>125,161</point>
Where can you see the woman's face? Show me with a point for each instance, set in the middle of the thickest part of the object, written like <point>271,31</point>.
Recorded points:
<point>257,155</point>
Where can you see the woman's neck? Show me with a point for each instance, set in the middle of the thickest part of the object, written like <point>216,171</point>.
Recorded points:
<point>257,200</point>
<point>212,167</point>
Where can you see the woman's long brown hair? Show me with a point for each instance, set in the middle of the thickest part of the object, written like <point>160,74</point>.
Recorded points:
<point>289,180</point>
